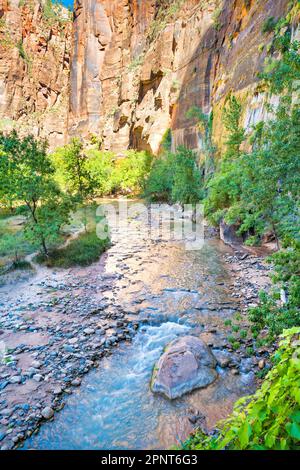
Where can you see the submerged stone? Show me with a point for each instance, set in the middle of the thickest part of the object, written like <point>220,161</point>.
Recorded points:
<point>186,365</point>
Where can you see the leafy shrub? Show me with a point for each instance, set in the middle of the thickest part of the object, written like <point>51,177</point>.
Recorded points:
<point>90,172</point>
<point>269,25</point>
<point>22,52</point>
<point>160,180</point>
<point>186,187</point>
<point>272,313</point>
<point>270,419</point>
<point>14,244</point>
<point>71,164</point>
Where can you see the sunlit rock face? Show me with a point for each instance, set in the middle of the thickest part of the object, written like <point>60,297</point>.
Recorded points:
<point>138,66</point>
<point>34,69</point>
<point>108,36</point>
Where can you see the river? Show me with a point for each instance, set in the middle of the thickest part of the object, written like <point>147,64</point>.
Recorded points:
<point>173,292</point>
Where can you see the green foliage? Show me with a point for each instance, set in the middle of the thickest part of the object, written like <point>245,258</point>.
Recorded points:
<point>89,172</point>
<point>273,313</point>
<point>52,13</point>
<point>175,178</point>
<point>100,166</point>
<point>26,175</point>
<point>270,419</point>
<point>136,63</point>
<point>14,244</point>
<point>217,14</point>
<point>186,187</point>
<point>166,142</point>
<point>48,10</point>
<point>71,162</point>
<point>167,10</point>
<point>269,25</point>
<point>130,172</point>
<point>282,76</point>
<point>81,251</point>
<point>205,125</point>
<point>224,188</point>
<point>23,53</point>
<point>258,190</point>
<point>160,181</point>
<point>235,131</point>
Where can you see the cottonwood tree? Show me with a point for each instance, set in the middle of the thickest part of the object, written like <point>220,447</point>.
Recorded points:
<point>26,174</point>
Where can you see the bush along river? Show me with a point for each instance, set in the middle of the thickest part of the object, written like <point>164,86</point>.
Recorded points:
<point>114,320</point>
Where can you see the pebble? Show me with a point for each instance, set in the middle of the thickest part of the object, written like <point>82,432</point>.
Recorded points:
<point>16,379</point>
<point>76,382</point>
<point>73,341</point>
<point>38,378</point>
<point>89,331</point>
<point>47,413</point>
<point>36,364</point>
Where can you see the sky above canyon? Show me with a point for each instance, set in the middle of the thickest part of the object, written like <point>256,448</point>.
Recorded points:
<point>67,3</point>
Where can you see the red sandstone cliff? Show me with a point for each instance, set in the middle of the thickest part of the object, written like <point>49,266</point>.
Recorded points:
<point>34,68</point>
<point>138,66</point>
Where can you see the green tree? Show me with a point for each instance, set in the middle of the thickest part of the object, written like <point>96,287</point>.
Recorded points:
<point>224,188</point>
<point>186,188</point>
<point>71,162</point>
<point>29,183</point>
<point>100,165</point>
<point>160,180</point>
<point>175,178</point>
<point>205,125</point>
<point>130,172</point>
<point>73,172</point>
<point>236,133</point>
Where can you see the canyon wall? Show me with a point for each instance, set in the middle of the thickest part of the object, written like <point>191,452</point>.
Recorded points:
<point>128,70</point>
<point>35,45</point>
<point>138,66</point>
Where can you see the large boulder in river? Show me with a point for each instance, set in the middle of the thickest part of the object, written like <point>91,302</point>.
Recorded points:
<point>187,364</point>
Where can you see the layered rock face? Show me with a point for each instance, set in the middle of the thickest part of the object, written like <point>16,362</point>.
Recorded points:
<point>35,44</point>
<point>138,66</point>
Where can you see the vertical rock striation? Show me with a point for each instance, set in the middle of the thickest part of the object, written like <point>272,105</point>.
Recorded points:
<point>138,66</point>
<point>34,68</point>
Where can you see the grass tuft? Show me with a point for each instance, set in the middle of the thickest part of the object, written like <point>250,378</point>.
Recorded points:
<point>83,251</point>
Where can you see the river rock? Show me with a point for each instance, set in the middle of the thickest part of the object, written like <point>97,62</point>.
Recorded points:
<point>187,364</point>
<point>47,412</point>
<point>16,379</point>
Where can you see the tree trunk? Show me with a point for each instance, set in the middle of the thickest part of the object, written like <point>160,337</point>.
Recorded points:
<point>45,249</point>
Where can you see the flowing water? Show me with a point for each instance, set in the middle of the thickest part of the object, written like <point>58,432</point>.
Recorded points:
<point>173,292</point>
